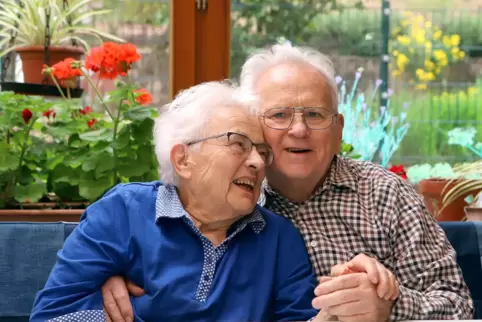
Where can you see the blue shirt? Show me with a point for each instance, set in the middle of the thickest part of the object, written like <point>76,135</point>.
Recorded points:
<point>260,272</point>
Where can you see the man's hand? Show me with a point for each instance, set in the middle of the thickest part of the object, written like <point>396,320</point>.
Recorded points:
<point>117,304</point>
<point>387,284</point>
<point>351,297</point>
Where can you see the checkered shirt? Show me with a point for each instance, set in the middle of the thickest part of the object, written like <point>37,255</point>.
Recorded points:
<point>362,208</point>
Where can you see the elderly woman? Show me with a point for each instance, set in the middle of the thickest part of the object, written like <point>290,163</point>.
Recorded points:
<point>197,244</point>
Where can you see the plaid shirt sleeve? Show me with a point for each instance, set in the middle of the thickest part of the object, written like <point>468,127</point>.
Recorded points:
<point>431,283</point>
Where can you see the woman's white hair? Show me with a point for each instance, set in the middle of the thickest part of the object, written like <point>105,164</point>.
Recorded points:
<point>264,59</point>
<point>185,118</point>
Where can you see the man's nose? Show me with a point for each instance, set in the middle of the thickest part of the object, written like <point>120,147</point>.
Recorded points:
<point>298,126</point>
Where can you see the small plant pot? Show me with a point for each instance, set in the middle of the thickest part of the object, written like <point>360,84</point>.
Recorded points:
<point>33,60</point>
<point>431,190</point>
<point>473,213</point>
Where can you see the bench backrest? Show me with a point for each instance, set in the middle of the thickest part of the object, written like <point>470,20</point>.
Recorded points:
<point>28,252</point>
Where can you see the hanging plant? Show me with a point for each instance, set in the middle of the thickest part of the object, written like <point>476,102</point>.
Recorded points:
<point>46,32</point>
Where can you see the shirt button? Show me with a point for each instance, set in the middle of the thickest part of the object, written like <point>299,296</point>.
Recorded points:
<point>314,243</point>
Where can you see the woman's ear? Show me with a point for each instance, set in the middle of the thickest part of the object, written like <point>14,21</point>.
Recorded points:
<point>180,160</point>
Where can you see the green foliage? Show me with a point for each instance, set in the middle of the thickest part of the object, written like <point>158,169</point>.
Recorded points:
<point>358,32</point>
<point>64,159</point>
<point>432,114</point>
<point>257,23</point>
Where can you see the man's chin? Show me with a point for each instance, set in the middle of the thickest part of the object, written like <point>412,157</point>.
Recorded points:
<point>297,173</point>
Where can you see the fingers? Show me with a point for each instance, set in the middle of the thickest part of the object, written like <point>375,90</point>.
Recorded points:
<point>116,300</point>
<point>324,279</point>
<point>384,283</point>
<point>350,309</point>
<point>387,287</point>
<point>134,289</point>
<point>364,263</point>
<point>107,317</point>
<point>124,303</point>
<point>340,283</point>
<point>338,269</point>
<point>334,299</point>
<point>111,309</point>
<point>395,288</point>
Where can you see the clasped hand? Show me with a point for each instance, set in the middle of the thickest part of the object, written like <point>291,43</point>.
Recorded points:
<point>359,290</point>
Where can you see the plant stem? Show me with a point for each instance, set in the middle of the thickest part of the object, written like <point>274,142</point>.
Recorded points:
<point>89,80</point>
<point>68,92</point>
<point>58,86</point>
<point>114,139</point>
<point>22,155</point>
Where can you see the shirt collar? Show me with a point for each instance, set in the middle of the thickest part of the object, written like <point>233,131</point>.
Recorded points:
<point>341,174</point>
<point>168,205</point>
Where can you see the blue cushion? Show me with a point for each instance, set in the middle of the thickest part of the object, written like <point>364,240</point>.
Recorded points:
<point>27,254</point>
<point>466,238</point>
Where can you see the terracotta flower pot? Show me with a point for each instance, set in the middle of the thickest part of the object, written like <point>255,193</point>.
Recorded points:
<point>473,213</point>
<point>33,60</point>
<point>431,190</point>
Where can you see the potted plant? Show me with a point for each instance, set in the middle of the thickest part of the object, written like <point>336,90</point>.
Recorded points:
<point>446,193</point>
<point>430,181</point>
<point>61,154</point>
<point>39,31</point>
<point>465,192</point>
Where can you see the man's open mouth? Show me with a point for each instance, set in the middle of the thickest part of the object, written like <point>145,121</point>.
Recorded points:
<point>296,150</point>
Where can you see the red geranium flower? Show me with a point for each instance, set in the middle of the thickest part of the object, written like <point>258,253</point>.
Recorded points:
<point>27,115</point>
<point>399,170</point>
<point>142,96</point>
<point>66,72</point>
<point>91,123</point>
<point>111,59</point>
<point>86,110</point>
<point>49,113</point>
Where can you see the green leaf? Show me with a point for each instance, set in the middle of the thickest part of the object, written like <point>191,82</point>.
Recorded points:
<point>100,162</point>
<point>90,164</point>
<point>117,95</point>
<point>63,173</point>
<point>67,192</point>
<point>106,163</point>
<point>131,168</point>
<point>143,131</point>
<point>92,189</point>
<point>55,161</point>
<point>122,139</point>
<point>138,113</point>
<point>32,192</point>
<point>104,134</point>
<point>76,142</point>
<point>8,160</point>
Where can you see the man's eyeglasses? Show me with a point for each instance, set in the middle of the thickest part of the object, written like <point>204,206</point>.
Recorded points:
<point>241,145</point>
<point>281,118</point>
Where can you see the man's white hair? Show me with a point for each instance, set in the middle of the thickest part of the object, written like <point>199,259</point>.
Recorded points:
<point>264,59</point>
<point>184,119</point>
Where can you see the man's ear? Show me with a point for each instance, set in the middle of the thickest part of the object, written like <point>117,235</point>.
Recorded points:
<point>180,160</point>
<point>339,124</point>
<point>341,121</point>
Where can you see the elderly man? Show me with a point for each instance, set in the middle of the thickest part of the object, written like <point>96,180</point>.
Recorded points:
<point>196,244</point>
<point>346,210</point>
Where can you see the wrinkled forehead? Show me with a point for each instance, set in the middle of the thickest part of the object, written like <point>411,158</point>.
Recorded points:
<point>293,85</point>
<point>235,118</point>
